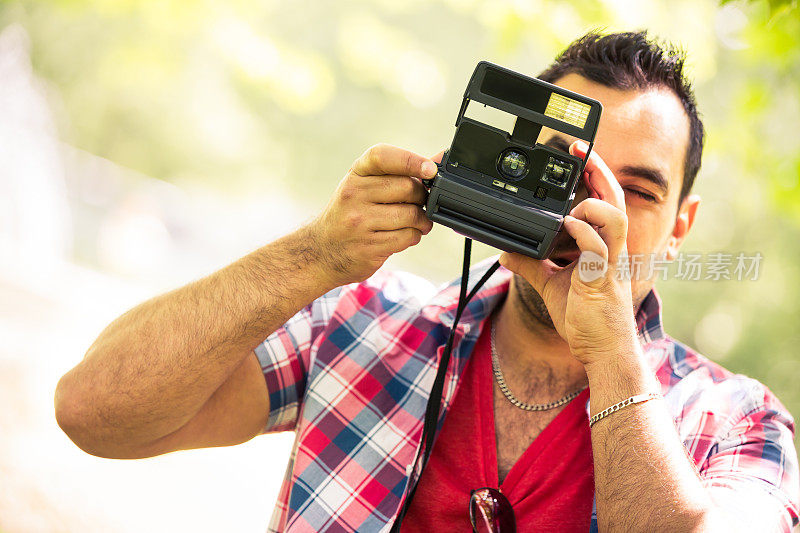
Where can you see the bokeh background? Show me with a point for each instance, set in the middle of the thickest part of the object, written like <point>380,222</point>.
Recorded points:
<point>146,144</point>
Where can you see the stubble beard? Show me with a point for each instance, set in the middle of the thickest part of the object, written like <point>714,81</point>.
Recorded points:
<point>530,302</point>
<point>534,310</point>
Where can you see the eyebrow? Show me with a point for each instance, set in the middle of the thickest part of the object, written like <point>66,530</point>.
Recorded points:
<point>650,174</point>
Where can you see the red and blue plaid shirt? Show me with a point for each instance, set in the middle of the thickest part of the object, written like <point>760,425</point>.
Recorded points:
<point>350,374</point>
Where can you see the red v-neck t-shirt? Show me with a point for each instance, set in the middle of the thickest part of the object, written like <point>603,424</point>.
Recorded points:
<point>551,486</point>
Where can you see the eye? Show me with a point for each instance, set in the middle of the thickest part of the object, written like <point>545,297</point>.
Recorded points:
<point>642,194</point>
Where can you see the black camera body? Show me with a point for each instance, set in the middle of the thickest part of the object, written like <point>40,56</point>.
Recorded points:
<point>503,188</point>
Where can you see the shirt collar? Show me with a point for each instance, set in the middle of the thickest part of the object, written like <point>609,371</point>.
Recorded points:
<point>648,318</point>
<point>444,303</point>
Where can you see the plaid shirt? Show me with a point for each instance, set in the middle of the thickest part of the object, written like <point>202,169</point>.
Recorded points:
<point>350,374</point>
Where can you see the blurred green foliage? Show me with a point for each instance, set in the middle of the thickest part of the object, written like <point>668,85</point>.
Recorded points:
<point>249,95</point>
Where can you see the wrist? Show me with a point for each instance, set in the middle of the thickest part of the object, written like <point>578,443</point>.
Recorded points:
<point>324,261</point>
<point>619,375</point>
<point>305,261</point>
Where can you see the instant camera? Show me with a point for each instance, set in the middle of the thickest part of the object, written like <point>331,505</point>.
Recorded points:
<point>500,186</point>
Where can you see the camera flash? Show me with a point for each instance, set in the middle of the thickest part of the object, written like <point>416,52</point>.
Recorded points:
<point>567,110</point>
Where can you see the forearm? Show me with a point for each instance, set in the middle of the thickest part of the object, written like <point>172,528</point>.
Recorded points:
<point>644,479</point>
<point>153,368</point>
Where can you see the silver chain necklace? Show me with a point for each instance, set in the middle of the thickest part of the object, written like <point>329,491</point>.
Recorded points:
<point>501,382</point>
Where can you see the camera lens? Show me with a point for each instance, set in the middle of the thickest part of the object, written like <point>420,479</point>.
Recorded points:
<point>513,163</point>
<point>557,172</point>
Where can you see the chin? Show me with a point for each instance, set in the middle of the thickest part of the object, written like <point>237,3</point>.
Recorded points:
<point>531,305</point>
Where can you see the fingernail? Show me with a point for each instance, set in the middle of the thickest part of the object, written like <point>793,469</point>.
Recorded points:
<point>580,146</point>
<point>569,218</point>
<point>428,169</point>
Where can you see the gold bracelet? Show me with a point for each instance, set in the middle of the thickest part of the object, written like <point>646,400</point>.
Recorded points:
<point>624,403</point>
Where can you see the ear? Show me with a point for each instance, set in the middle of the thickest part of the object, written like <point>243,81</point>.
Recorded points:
<point>683,223</point>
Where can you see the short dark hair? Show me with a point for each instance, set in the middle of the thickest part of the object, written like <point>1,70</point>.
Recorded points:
<point>630,60</point>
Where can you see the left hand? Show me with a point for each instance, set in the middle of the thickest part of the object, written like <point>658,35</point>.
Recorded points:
<point>592,311</point>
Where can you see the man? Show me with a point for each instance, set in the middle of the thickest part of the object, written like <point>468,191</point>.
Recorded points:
<point>680,444</point>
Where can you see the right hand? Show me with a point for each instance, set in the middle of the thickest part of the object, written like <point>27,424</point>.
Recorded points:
<point>375,212</point>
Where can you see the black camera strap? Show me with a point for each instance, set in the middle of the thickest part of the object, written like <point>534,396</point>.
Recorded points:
<point>435,400</point>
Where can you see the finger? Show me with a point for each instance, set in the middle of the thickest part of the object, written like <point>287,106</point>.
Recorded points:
<point>587,239</point>
<point>599,179</point>
<point>591,193</point>
<point>438,157</point>
<point>389,217</point>
<point>592,264</point>
<point>611,223</point>
<point>391,242</point>
<point>388,159</point>
<point>393,189</point>
<point>530,269</point>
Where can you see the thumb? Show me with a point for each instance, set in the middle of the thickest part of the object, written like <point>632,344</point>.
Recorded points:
<point>591,269</point>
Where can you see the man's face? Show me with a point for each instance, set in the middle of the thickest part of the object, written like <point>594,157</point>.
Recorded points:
<point>643,137</point>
